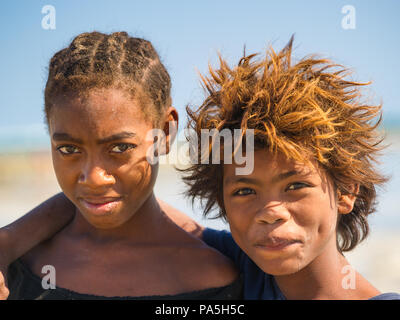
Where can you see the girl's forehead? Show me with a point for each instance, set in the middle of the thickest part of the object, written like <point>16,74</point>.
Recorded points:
<point>105,100</point>
<point>98,108</point>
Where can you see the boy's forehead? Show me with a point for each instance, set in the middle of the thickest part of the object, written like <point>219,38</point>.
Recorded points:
<point>266,161</point>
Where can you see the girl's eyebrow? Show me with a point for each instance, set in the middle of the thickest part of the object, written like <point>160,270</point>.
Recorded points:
<point>61,136</point>
<point>58,136</point>
<point>117,136</point>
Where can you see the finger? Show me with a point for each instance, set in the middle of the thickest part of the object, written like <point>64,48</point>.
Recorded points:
<point>4,292</point>
<point>2,280</point>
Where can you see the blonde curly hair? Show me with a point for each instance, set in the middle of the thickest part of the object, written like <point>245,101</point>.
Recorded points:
<point>303,110</point>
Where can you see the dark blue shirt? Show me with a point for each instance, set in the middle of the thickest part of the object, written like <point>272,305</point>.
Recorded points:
<point>258,285</point>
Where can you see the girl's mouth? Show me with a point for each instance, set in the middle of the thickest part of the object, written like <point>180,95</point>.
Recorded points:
<point>100,206</point>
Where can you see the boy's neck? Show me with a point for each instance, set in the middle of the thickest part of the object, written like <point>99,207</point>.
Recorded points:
<point>327,277</point>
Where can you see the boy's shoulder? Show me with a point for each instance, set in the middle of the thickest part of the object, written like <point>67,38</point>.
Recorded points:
<point>223,241</point>
<point>387,296</point>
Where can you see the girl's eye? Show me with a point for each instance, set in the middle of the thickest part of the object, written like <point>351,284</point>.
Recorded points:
<point>296,186</point>
<point>66,150</point>
<point>244,192</point>
<point>122,147</point>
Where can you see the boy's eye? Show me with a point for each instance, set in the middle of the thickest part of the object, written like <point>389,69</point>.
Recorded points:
<point>244,192</point>
<point>296,185</point>
<point>66,150</point>
<point>122,147</point>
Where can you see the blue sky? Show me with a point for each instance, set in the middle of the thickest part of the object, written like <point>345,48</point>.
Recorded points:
<point>188,34</point>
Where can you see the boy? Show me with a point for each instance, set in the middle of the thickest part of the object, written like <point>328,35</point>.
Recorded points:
<point>313,184</point>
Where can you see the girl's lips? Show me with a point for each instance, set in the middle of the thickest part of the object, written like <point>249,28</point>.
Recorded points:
<point>100,206</point>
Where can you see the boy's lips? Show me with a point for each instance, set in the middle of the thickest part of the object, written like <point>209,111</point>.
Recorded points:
<point>275,243</point>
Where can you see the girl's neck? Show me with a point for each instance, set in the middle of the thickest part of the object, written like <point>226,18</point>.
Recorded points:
<point>146,219</point>
<point>330,277</point>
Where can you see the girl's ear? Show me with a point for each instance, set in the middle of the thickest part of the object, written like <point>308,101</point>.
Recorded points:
<point>346,201</point>
<point>170,128</point>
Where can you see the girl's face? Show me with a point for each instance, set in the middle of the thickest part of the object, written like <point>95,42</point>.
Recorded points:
<point>284,214</point>
<point>99,154</point>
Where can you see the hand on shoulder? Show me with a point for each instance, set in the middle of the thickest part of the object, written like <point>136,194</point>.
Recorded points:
<point>218,270</point>
<point>4,243</point>
<point>221,270</point>
<point>4,292</point>
<point>181,219</point>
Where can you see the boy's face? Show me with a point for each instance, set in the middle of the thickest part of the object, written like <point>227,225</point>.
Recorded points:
<point>283,215</point>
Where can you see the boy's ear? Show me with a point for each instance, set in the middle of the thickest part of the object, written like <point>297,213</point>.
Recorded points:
<point>170,128</point>
<point>346,201</point>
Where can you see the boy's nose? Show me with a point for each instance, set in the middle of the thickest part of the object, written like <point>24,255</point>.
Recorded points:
<point>273,212</point>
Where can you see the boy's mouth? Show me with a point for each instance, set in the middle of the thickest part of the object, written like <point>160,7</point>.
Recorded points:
<point>276,243</point>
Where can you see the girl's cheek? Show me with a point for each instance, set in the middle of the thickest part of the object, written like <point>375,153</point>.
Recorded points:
<point>66,173</point>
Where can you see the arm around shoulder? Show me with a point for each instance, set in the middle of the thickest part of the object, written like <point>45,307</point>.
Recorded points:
<point>4,262</point>
<point>37,225</point>
<point>182,220</point>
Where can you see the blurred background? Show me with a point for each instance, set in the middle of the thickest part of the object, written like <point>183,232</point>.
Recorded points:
<point>187,34</point>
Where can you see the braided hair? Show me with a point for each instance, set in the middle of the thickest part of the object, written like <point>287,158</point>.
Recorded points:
<point>98,60</point>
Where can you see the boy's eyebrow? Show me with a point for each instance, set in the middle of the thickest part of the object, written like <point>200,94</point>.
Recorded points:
<point>285,175</point>
<point>275,179</point>
<point>60,136</point>
<point>241,179</point>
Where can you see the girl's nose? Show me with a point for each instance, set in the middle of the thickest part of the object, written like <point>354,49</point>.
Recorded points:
<point>95,176</point>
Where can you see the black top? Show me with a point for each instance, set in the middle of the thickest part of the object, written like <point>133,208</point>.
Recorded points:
<point>23,284</point>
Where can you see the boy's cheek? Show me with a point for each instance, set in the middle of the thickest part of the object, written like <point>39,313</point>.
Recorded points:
<point>239,217</point>
<point>239,223</point>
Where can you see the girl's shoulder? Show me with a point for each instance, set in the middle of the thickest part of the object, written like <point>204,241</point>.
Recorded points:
<point>199,261</point>
<point>175,256</point>
<point>196,257</point>
<point>25,285</point>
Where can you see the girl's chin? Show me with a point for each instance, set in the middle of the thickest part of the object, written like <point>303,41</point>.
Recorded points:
<point>104,223</point>
<point>107,220</point>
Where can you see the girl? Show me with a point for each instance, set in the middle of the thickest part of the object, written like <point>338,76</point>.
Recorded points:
<point>103,94</point>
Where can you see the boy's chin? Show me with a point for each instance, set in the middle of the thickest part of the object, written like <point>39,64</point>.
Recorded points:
<point>281,268</point>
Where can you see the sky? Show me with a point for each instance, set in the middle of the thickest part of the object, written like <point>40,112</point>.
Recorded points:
<point>188,35</point>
